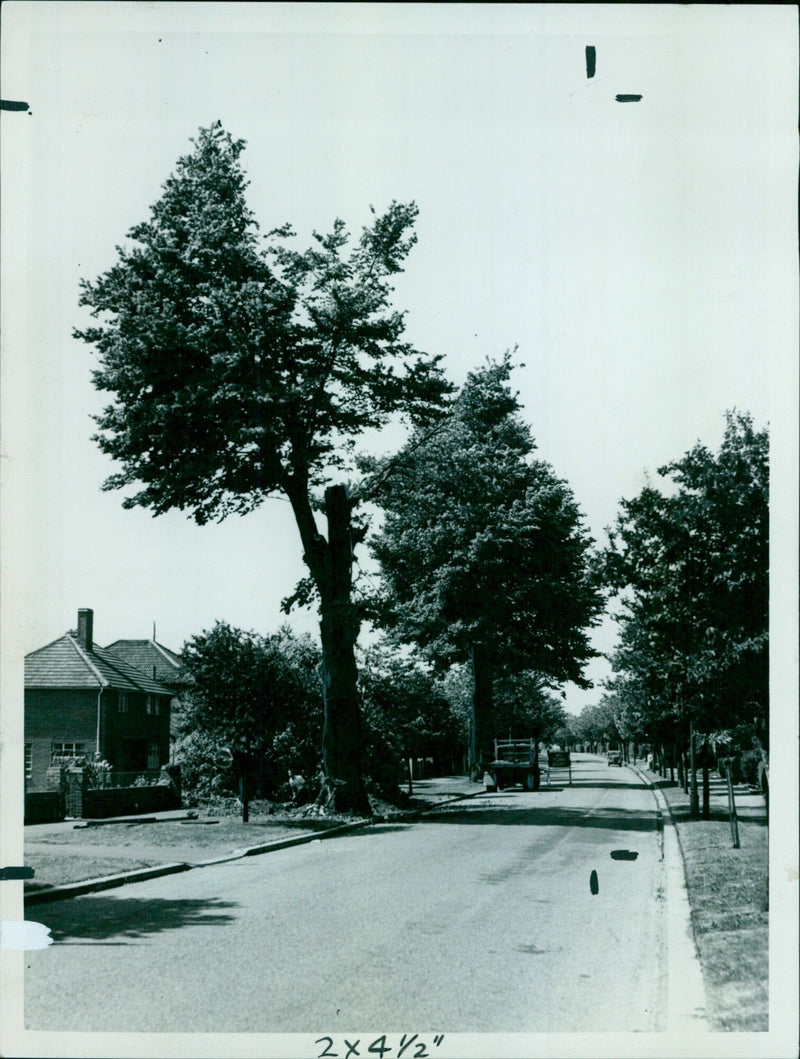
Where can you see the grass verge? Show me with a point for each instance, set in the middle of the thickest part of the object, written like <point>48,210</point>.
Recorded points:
<point>53,869</point>
<point>729,899</point>
<point>69,855</point>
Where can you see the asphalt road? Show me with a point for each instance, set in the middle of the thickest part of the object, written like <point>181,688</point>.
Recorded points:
<point>480,918</point>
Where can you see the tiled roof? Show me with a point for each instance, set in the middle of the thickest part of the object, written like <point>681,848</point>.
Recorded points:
<point>65,664</point>
<point>149,656</point>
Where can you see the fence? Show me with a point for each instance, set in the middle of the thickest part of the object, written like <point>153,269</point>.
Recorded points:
<point>101,779</point>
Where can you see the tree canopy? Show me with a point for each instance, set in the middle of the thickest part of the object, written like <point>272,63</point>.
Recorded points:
<point>481,542</point>
<point>240,369</point>
<point>483,551</point>
<point>524,706</point>
<point>690,565</point>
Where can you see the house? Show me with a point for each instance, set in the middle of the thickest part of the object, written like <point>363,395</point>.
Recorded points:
<point>82,700</point>
<point>161,664</point>
<point>153,658</point>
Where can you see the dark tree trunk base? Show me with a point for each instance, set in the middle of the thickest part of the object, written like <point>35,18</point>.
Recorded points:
<point>331,801</point>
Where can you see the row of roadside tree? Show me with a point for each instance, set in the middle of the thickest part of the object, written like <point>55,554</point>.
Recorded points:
<point>689,565</point>
<point>242,368</point>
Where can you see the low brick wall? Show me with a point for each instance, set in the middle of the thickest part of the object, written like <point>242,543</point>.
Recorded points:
<point>128,801</point>
<point>44,807</point>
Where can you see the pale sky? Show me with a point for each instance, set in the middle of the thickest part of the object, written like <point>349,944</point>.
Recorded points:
<point>642,256</point>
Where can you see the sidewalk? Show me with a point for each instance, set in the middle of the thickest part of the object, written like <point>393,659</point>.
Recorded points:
<point>79,856</point>
<point>728,892</point>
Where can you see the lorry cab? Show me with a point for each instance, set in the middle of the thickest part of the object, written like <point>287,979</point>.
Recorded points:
<point>516,761</point>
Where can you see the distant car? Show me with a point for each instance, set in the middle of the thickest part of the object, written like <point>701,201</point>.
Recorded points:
<point>615,758</point>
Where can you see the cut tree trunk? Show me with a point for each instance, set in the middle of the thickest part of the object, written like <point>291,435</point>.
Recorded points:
<point>342,735</point>
<point>330,563</point>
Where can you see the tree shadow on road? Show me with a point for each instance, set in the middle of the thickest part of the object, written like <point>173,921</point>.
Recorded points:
<point>98,918</point>
<point>552,816</point>
<point>682,814</point>
<point>606,784</point>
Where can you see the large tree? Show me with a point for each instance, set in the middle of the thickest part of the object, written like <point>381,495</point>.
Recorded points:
<point>241,369</point>
<point>690,565</point>
<point>483,549</point>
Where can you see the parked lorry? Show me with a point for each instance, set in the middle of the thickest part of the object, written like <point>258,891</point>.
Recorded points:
<point>516,761</point>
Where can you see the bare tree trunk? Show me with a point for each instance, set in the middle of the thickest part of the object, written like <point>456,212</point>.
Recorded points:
<point>694,801</point>
<point>706,793</point>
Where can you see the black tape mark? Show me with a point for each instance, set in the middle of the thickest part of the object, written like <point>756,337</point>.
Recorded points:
<point>624,854</point>
<point>15,873</point>
<point>628,98</point>
<point>591,60</point>
<point>594,886</point>
<point>13,104</point>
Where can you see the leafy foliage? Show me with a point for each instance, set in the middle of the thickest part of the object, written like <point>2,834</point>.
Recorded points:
<point>691,568</point>
<point>406,710</point>
<point>239,370</point>
<point>257,695</point>
<point>599,723</point>
<point>483,543</point>
<point>524,707</point>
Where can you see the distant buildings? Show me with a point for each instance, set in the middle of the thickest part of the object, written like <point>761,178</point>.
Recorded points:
<point>110,703</point>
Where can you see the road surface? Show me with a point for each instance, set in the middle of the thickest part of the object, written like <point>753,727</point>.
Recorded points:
<point>480,918</point>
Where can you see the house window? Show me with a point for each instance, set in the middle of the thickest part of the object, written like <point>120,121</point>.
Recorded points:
<point>153,757</point>
<point>28,760</point>
<point>156,705</point>
<point>122,702</point>
<point>66,750</point>
<point>149,703</point>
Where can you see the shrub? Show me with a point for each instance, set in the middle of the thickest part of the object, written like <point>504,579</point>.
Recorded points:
<point>749,766</point>
<point>98,774</point>
<point>200,776</point>
<point>384,761</point>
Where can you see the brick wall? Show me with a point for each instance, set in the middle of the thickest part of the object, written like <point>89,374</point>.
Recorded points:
<point>134,723</point>
<point>70,716</point>
<point>76,792</point>
<point>57,716</point>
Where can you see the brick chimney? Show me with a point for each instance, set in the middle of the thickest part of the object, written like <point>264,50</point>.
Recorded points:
<point>85,628</point>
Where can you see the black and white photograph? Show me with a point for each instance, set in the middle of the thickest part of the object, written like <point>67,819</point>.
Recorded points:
<point>399,530</point>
